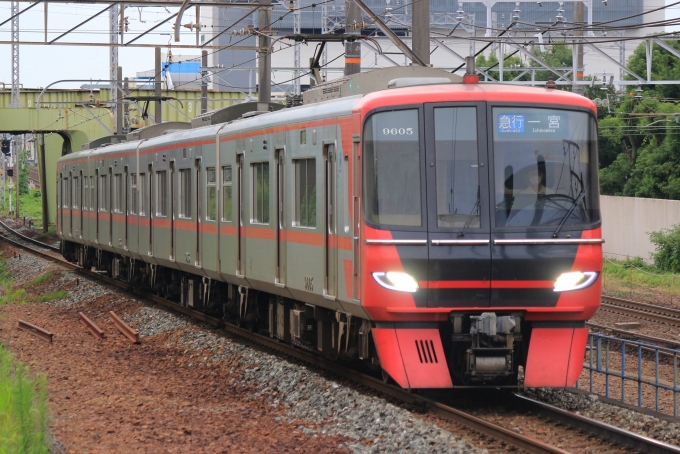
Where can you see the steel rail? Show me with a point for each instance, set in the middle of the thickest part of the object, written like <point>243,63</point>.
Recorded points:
<point>124,328</point>
<point>652,339</point>
<point>36,331</point>
<point>526,443</point>
<point>598,428</point>
<point>641,310</point>
<point>91,326</point>
<point>30,240</point>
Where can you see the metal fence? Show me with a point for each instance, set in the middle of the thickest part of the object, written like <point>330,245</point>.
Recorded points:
<point>633,372</point>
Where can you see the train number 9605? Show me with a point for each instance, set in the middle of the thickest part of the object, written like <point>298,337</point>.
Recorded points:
<point>397,131</point>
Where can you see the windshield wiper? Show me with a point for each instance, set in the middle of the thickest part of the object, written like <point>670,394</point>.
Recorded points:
<point>574,204</point>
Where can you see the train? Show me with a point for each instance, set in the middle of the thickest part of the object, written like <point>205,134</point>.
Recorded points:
<point>440,231</point>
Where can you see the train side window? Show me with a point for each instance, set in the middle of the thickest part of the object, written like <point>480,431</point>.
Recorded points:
<point>142,185</point>
<point>118,193</point>
<point>260,199</point>
<point>93,200</point>
<point>305,192</point>
<point>185,193</point>
<point>134,195</point>
<point>102,193</point>
<point>226,194</point>
<point>161,193</point>
<point>211,212</point>
<point>65,192</point>
<point>76,192</point>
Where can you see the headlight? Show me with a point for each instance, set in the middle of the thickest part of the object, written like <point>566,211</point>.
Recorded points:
<point>400,282</point>
<point>575,280</point>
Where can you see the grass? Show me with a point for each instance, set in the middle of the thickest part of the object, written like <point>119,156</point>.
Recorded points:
<point>12,296</point>
<point>40,279</point>
<point>634,277</point>
<point>23,408</point>
<point>54,295</point>
<point>51,231</point>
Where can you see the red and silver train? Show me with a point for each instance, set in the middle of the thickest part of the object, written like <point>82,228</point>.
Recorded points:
<point>447,234</point>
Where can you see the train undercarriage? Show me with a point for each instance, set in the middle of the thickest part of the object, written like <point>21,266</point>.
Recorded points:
<point>481,348</point>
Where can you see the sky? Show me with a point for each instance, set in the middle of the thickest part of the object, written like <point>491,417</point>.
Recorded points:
<point>42,65</point>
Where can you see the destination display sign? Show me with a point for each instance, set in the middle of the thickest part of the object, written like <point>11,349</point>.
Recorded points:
<point>522,124</point>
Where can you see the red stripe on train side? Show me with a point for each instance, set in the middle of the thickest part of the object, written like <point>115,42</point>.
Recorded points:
<point>144,222</point>
<point>132,220</point>
<point>260,233</point>
<point>310,238</point>
<point>118,217</point>
<point>184,225</point>
<point>103,216</point>
<point>228,230</point>
<point>209,228</point>
<point>160,223</point>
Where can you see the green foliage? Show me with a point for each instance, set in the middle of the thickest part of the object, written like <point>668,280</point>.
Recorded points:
<point>640,138</point>
<point>667,255</point>
<point>54,295</point>
<point>23,408</point>
<point>23,172</point>
<point>5,276</point>
<point>13,296</point>
<point>40,279</point>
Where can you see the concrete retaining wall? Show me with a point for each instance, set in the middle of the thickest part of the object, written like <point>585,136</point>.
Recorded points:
<point>627,222</point>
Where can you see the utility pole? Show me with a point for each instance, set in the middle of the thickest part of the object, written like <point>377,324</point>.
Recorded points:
<point>157,86</point>
<point>578,58</point>
<point>420,30</point>
<point>16,101</point>
<point>264,56</point>
<point>352,50</point>
<point>113,59</point>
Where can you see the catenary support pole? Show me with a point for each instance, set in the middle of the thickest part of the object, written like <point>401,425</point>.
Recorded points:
<point>578,21</point>
<point>119,101</point>
<point>43,183</point>
<point>204,82</point>
<point>352,50</point>
<point>264,56</point>
<point>420,43</point>
<point>157,86</point>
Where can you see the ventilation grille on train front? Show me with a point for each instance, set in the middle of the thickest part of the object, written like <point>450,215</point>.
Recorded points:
<point>329,90</point>
<point>426,352</point>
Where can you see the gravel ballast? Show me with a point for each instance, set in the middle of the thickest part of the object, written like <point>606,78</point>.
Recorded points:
<point>321,406</point>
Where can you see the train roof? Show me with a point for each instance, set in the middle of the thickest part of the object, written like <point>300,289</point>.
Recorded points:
<point>462,92</point>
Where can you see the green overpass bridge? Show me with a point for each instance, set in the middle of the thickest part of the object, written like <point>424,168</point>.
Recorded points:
<point>69,118</point>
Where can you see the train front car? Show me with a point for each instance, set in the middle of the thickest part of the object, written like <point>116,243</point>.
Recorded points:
<point>481,242</point>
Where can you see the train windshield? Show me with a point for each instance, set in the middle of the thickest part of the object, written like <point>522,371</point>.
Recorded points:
<point>392,168</point>
<point>545,164</point>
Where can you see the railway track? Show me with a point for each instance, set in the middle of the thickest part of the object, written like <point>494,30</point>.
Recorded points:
<point>640,310</point>
<point>605,432</point>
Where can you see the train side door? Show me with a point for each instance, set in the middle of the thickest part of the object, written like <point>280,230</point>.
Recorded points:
<point>280,218</point>
<point>330,230</point>
<point>82,203</point>
<point>68,226</point>
<point>459,265</point>
<point>240,233</point>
